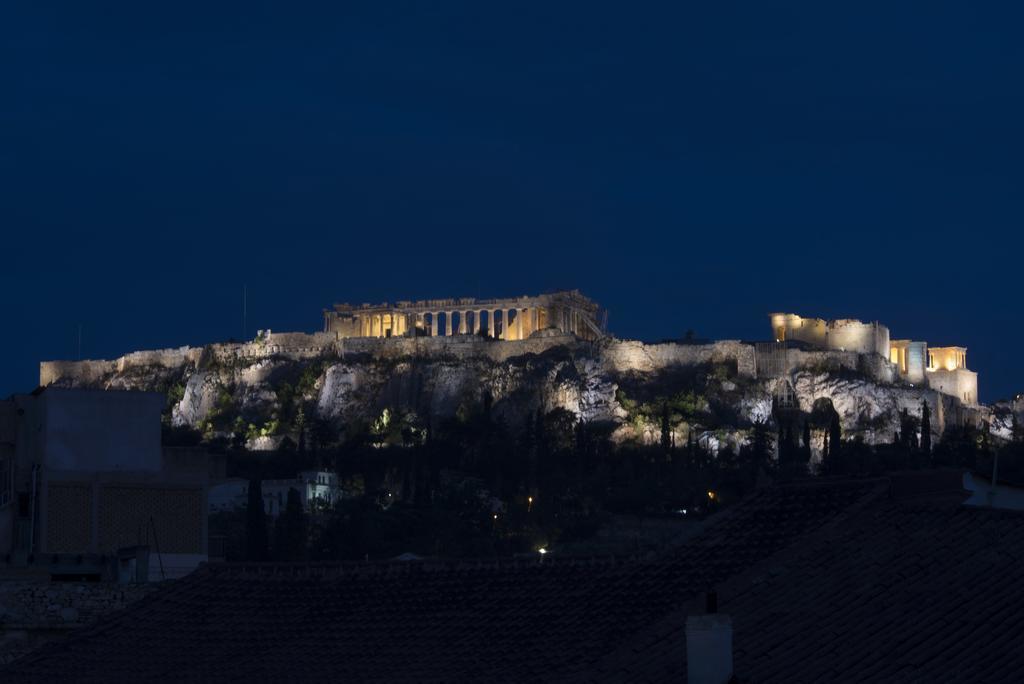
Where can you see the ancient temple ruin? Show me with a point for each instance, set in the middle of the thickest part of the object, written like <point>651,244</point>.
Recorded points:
<point>944,369</point>
<point>515,318</point>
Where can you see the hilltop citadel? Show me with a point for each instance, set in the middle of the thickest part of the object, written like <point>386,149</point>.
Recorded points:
<point>428,356</point>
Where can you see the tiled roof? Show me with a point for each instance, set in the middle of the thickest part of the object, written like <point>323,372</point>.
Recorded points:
<point>916,589</point>
<point>825,581</point>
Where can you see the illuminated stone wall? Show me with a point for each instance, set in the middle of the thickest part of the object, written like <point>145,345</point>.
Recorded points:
<point>960,383</point>
<point>786,326</point>
<point>856,336</point>
<point>632,355</point>
<point>947,358</point>
<point>910,358</point>
<point>840,335</point>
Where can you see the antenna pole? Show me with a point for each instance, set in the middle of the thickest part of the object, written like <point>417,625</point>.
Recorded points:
<point>245,309</point>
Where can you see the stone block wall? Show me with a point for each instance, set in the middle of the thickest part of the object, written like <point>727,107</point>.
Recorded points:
<point>856,336</point>
<point>632,355</point>
<point>456,346</point>
<point>33,613</point>
<point>75,372</point>
<point>960,383</point>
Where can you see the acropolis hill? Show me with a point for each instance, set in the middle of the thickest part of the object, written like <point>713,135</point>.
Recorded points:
<point>425,360</point>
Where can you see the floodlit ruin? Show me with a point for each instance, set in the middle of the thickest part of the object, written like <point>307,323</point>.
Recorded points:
<point>504,319</point>
<point>944,369</point>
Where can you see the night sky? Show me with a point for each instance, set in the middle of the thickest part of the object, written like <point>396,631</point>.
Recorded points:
<point>689,166</point>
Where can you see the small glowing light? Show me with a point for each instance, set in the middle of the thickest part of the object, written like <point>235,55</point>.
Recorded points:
<point>684,511</point>
<point>542,550</point>
<point>495,516</point>
<point>711,495</point>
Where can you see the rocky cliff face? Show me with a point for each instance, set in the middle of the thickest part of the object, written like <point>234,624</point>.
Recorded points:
<point>711,390</point>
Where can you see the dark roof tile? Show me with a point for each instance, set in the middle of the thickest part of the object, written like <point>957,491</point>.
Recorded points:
<point>833,581</point>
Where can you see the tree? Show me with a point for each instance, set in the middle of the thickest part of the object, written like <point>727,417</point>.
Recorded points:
<point>666,429</point>
<point>290,530</point>
<point>255,523</point>
<point>926,429</point>
<point>835,431</point>
<point>807,441</point>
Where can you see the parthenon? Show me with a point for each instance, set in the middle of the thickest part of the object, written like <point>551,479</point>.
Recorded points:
<point>517,318</point>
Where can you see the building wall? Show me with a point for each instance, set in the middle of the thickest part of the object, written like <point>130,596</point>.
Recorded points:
<point>960,383</point>
<point>911,359</point>
<point>856,336</point>
<point>102,481</point>
<point>947,358</point>
<point>793,327</point>
<point>69,518</point>
<point>101,430</point>
<point>632,355</point>
<point>168,519</point>
<point>917,362</point>
<point>840,335</point>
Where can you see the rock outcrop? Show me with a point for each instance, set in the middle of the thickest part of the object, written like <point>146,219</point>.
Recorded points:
<point>259,387</point>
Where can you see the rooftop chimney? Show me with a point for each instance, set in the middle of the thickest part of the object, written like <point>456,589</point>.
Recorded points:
<point>709,645</point>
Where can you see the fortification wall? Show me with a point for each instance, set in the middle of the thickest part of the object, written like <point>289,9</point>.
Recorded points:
<point>793,327</point>
<point>165,358</point>
<point>960,383</point>
<point>632,355</point>
<point>75,373</point>
<point>873,366</point>
<point>865,338</point>
<point>457,346</point>
<point>92,372</point>
<point>290,345</point>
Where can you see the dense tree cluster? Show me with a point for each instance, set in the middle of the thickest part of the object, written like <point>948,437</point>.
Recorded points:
<point>472,486</point>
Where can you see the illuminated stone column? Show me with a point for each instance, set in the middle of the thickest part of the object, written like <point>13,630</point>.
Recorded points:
<point>447,323</point>
<point>476,322</point>
<point>433,324</point>
<point>494,325</point>
<point>462,323</point>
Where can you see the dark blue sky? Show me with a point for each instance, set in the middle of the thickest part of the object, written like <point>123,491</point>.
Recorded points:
<point>689,165</point>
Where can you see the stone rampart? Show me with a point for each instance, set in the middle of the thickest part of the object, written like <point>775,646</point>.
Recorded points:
<point>75,373</point>
<point>165,358</point>
<point>459,347</point>
<point>632,355</point>
<point>290,345</point>
<point>873,366</point>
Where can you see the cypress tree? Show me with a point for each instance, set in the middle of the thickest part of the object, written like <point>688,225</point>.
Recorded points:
<point>255,523</point>
<point>290,537</point>
<point>666,429</point>
<point>835,430</point>
<point>926,428</point>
